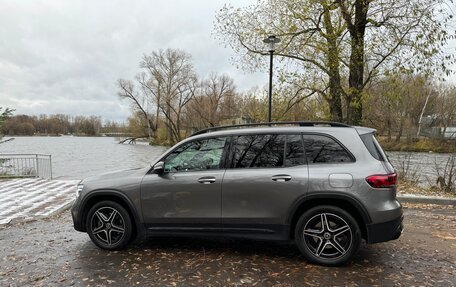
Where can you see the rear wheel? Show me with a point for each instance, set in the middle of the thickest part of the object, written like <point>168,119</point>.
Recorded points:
<point>327,235</point>
<point>109,225</point>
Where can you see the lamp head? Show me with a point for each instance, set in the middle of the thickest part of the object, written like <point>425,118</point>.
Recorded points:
<point>271,40</point>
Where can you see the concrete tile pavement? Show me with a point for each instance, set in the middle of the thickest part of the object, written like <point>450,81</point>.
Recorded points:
<point>33,198</point>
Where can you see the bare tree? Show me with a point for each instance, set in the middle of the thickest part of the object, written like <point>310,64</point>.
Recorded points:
<point>446,107</point>
<point>139,100</point>
<point>172,82</point>
<point>213,101</point>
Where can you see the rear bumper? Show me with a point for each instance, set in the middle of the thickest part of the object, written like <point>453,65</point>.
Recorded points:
<point>385,231</point>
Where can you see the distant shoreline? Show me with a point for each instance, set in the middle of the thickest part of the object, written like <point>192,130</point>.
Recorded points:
<point>419,145</point>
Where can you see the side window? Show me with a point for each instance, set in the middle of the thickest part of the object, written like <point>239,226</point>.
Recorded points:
<point>294,151</point>
<point>251,151</point>
<point>265,151</point>
<point>373,146</point>
<point>322,149</point>
<point>196,155</point>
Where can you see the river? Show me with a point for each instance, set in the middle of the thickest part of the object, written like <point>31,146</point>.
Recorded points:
<point>79,157</point>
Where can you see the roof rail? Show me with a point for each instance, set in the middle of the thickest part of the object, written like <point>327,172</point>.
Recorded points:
<point>269,124</point>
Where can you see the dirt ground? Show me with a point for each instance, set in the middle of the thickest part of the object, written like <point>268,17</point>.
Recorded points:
<point>51,253</point>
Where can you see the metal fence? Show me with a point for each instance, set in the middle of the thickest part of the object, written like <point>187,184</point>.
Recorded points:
<point>437,132</point>
<point>25,165</point>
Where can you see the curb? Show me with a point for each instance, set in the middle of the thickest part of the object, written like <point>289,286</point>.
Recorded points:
<point>59,210</point>
<point>24,220</point>
<point>411,198</point>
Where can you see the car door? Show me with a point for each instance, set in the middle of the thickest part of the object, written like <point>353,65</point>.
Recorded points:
<point>188,193</point>
<point>331,165</point>
<point>267,174</point>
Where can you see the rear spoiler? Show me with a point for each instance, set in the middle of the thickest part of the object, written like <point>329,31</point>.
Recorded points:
<point>364,130</point>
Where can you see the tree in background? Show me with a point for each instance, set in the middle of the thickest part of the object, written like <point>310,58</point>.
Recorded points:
<point>5,113</point>
<point>139,98</point>
<point>335,48</point>
<point>213,101</point>
<point>395,103</point>
<point>445,107</point>
<point>173,82</point>
<point>287,105</point>
<point>89,126</point>
<point>137,126</point>
<point>168,82</point>
<point>52,125</point>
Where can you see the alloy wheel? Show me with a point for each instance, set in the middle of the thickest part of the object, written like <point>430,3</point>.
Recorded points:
<point>327,236</point>
<point>107,225</point>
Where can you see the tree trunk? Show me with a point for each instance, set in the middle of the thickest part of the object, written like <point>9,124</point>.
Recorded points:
<point>388,126</point>
<point>168,125</point>
<point>356,66</point>
<point>335,108</point>
<point>401,128</point>
<point>157,114</point>
<point>332,59</point>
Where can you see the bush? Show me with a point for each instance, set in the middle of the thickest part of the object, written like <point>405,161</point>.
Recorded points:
<point>446,176</point>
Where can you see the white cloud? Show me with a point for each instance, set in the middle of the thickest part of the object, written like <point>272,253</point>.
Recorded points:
<point>66,56</point>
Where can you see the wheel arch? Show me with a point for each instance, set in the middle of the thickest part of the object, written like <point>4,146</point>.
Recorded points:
<point>115,196</point>
<point>346,202</point>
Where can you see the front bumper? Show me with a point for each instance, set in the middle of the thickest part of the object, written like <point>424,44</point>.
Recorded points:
<point>77,216</point>
<point>385,231</point>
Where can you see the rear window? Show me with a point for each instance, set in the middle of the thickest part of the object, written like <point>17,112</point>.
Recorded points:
<point>373,146</point>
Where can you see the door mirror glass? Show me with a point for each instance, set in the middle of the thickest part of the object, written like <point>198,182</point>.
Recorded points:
<point>159,167</point>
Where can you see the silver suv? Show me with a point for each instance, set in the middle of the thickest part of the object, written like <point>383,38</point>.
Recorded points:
<point>324,185</point>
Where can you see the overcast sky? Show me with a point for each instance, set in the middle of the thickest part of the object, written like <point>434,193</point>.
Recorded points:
<point>66,56</point>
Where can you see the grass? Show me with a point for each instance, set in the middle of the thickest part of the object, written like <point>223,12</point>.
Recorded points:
<point>419,145</point>
<point>405,187</point>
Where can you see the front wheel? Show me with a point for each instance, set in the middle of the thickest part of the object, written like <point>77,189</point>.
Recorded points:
<point>327,235</point>
<point>109,225</point>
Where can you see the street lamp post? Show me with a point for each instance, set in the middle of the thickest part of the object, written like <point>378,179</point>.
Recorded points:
<point>271,41</point>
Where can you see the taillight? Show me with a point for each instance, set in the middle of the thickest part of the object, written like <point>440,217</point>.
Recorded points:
<point>382,180</point>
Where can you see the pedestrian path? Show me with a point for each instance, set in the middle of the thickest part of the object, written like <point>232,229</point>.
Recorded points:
<point>34,198</point>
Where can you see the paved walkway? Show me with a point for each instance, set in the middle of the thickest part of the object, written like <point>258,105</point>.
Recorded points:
<point>51,253</point>
<point>34,198</point>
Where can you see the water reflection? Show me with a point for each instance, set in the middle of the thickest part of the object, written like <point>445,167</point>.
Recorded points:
<point>79,157</point>
<point>419,166</point>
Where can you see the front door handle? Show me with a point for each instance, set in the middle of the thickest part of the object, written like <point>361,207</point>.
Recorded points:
<point>281,177</point>
<point>206,180</point>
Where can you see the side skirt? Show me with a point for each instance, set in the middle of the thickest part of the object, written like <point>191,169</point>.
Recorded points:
<point>270,232</point>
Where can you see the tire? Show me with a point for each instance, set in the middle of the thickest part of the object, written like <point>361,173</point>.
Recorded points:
<point>335,243</point>
<point>109,225</point>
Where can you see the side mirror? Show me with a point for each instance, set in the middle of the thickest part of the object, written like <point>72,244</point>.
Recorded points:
<point>159,167</point>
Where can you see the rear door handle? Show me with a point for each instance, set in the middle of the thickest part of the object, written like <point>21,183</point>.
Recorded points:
<point>206,180</point>
<point>281,177</point>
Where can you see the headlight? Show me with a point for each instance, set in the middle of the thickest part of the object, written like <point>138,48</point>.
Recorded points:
<point>79,189</point>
